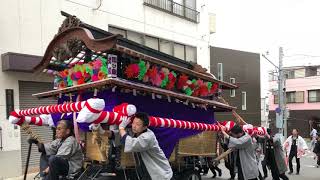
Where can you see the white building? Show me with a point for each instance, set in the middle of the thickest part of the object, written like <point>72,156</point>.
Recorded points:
<point>180,28</point>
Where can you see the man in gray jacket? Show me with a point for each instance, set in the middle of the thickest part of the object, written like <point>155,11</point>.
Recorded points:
<point>61,157</point>
<point>244,153</point>
<point>150,159</point>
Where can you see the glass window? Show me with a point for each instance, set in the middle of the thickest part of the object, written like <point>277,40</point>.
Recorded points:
<point>232,91</point>
<point>299,73</point>
<point>179,51</point>
<point>299,97</point>
<point>220,71</point>
<point>9,101</point>
<point>136,37</point>
<point>314,96</point>
<point>276,99</point>
<point>166,46</point>
<point>115,30</point>
<point>295,97</point>
<point>290,74</point>
<point>244,100</point>
<point>152,42</point>
<point>190,4</point>
<point>191,54</point>
<point>290,97</point>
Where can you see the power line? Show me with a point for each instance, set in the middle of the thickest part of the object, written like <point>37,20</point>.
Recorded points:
<point>307,55</point>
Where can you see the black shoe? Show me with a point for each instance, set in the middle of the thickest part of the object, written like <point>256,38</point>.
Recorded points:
<point>290,172</point>
<point>214,175</point>
<point>220,172</point>
<point>297,173</point>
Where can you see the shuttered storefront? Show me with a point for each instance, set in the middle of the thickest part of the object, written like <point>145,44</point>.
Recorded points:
<point>26,89</point>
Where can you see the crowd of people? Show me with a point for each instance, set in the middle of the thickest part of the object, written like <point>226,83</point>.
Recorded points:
<point>64,156</point>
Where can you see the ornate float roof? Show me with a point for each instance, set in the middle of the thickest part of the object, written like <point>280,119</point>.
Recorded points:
<point>80,43</point>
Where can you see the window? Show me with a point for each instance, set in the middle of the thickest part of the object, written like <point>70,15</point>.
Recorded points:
<point>220,71</point>
<point>179,51</point>
<point>166,46</point>
<point>276,99</point>
<point>290,74</point>
<point>244,100</point>
<point>182,8</point>
<point>311,71</point>
<point>9,101</point>
<point>300,73</point>
<point>296,73</point>
<point>291,97</point>
<point>299,97</point>
<point>115,30</point>
<point>136,37</point>
<point>190,3</point>
<point>232,91</point>
<point>295,97</point>
<point>314,95</point>
<point>152,42</point>
<point>191,54</point>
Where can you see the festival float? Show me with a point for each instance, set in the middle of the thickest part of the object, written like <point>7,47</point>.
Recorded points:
<point>100,77</point>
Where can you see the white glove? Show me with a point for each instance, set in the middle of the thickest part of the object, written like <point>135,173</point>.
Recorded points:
<point>125,120</point>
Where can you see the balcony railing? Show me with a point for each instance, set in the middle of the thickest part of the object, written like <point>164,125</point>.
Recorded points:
<point>174,8</point>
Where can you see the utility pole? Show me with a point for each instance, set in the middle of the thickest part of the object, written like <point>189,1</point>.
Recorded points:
<point>281,112</point>
<point>282,123</point>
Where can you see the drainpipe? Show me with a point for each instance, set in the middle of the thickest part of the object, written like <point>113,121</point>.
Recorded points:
<point>1,139</point>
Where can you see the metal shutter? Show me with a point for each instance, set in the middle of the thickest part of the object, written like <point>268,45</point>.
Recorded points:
<point>26,89</point>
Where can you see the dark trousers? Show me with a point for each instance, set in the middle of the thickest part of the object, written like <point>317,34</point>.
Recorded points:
<point>229,165</point>
<point>291,155</point>
<point>57,167</point>
<point>264,168</point>
<point>214,169</point>
<point>276,175</point>
<point>283,176</point>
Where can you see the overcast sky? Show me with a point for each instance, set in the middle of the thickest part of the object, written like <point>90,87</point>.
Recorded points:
<point>265,25</point>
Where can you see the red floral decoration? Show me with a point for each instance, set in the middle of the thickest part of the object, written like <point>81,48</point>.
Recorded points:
<point>132,71</point>
<point>214,88</point>
<point>172,80</point>
<point>182,81</point>
<point>203,90</point>
<point>81,81</point>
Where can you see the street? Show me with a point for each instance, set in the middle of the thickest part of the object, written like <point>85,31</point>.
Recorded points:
<point>308,170</point>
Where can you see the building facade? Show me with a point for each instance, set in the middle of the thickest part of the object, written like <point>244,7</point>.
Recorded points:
<point>180,28</point>
<point>243,69</point>
<point>302,98</point>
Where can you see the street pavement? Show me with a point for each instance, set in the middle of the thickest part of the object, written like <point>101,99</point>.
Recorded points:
<point>308,170</point>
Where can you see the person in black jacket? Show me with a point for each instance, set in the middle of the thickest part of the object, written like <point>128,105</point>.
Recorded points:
<point>316,149</point>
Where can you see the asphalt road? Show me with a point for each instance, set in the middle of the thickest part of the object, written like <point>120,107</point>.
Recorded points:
<point>308,170</point>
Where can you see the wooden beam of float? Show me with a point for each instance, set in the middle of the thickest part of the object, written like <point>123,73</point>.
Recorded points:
<point>134,85</point>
